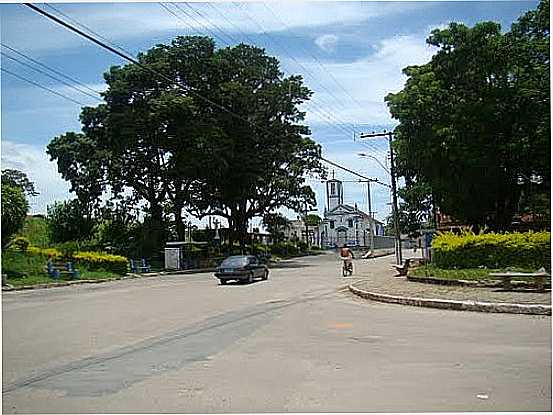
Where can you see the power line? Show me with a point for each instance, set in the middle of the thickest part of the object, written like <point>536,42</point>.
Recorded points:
<point>49,68</point>
<point>314,57</point>
<point>321,113</point>
<point>41,86</point>
<point>96,97</point>
<point>313,77</point>
<point>160,75</point>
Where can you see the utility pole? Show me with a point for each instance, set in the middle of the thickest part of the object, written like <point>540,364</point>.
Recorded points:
<point>395,209</point>
<point>371,223</point>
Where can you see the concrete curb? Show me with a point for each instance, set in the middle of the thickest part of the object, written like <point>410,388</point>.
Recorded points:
<point>540,309</point>
<point>125,277</point>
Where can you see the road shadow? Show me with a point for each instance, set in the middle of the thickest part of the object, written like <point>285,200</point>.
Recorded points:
<point>288,265</point>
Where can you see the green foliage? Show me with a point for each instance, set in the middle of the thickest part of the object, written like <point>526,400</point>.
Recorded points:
<point>20,243</point>
<point>529,250</point>
<point>19,179</point>
<point>276,225</point>
<point>284,249</point>
<point>14,211</point>
<point>97,261</point>
<point>313,220</point>
<point>27,269</point>
<point>475,120</point>
<point>45,252</point>
<point>175,150</point>
<point>35,229</point>
<point>69,221</point>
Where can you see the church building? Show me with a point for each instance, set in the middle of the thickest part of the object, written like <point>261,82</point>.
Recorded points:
<point>344,223</point>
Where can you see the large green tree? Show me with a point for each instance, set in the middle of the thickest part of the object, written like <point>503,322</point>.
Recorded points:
<point>227,141</point>
<point>262,159</point>
<point>474,121</point>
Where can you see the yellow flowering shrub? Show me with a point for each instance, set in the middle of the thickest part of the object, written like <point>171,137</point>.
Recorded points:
<point>492,250</point>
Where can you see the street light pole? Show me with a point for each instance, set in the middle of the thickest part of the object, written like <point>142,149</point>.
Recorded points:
<point>395,209</point>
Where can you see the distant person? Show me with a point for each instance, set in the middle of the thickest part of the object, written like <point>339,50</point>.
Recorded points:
<point>347,256</point>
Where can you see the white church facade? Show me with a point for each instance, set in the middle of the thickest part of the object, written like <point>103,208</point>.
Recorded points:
<point>345,224</point>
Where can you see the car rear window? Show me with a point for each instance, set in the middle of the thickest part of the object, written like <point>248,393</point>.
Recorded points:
<point>235,262</point>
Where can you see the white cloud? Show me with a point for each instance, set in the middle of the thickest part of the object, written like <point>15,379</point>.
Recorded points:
<point>33,161</point>
<point>327,42</point>
<point>367,81</point>
<point>118,22</point>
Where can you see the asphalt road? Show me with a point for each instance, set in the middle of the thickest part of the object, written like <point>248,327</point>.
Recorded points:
<point>298,342</point>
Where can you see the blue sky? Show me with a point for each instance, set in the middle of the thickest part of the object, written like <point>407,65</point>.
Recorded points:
<point>350,54</point>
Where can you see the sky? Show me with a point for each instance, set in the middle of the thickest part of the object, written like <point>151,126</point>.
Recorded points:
<point>350,55</point>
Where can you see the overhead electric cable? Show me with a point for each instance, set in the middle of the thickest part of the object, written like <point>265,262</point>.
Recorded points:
<point>314,57</point>
<point>172,81</point>
<point>41,86</point>
<point>313,77</point>
<point>96,97</point>
<point>49,68</point>
<point>326,117</point>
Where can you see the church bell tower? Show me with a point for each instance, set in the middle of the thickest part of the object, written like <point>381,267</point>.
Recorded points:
<point>334,193</point>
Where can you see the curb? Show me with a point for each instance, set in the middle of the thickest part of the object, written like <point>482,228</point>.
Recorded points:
<point>97,281</point>
<point>539,309</point>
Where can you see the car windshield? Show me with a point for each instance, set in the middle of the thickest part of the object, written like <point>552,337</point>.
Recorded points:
<point>234,261</point>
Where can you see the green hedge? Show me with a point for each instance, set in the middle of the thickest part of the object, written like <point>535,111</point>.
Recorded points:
<point>97,261</point>
<point>530,250</point>
<point>94,261</point>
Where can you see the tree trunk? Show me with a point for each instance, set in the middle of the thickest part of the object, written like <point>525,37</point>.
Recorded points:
<point>154,239</point>
<point>179,225</point>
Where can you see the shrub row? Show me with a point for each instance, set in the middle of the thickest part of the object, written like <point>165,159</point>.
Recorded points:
<point>531,250</point>
<point>93,261</point>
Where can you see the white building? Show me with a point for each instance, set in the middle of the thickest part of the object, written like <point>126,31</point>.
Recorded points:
<point>344,223</point>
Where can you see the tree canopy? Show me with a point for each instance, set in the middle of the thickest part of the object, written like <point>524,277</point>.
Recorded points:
<point>229,142</point>
<point>475,121</point>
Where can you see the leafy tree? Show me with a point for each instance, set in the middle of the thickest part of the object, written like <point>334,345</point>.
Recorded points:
<point>19,179</point>
<point>68,221</point>
<point>261,161</point>
<point>276,225</point>
<point>313,219</point>
<point>14,210</point>
<point>475,119</point>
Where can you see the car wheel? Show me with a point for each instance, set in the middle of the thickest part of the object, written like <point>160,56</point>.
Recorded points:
<point>266,274</point>
<point>250,278</point>
<point>223,282</point>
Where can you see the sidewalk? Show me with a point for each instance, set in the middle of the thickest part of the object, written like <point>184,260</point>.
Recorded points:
<point>376,276</point>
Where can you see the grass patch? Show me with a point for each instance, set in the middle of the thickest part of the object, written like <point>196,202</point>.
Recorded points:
<point>24,269</point>
<point>467,274</point>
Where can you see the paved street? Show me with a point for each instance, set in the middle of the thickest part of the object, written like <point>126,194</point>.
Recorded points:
<point>298,342</point>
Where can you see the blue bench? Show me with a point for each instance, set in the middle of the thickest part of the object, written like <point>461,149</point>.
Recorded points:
<point>139,266</point>
<point>56,269</point>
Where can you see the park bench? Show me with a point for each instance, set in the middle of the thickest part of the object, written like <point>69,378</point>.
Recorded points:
<point>56,269</point>
<point>538,276</point>
<point>403,268</point>
<point>139,266</point>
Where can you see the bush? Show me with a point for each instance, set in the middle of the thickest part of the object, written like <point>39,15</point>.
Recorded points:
<point>21,243</point>
<point>284,249</point>
<point>97,261</point>
<point>45,252</point>
<point>492,250</point>
<point>302,246</point>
